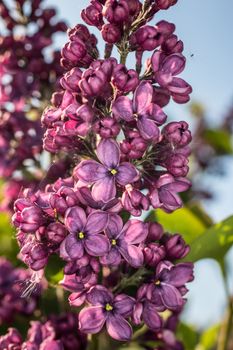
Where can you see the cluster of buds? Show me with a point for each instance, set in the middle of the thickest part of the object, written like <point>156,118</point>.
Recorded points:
<point>57,333</point>
<point>124,160</point>
<point>12,283</point>
<point>28,76</point>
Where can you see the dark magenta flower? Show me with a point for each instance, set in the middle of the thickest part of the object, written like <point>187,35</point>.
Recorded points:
<point>84,234</point>
<point>111,33</point>
<point>164,194</point>
<point>167,288</point>
<point>107,128</point>
<point>116,11</point>
<point>92,15</point>
<point>134,201</point>
<point>107,309</point>
<point>124,241</point>
<point>125,80</point>
<point>105,175</point>
<point>177,133</point>
<point>147,114</point>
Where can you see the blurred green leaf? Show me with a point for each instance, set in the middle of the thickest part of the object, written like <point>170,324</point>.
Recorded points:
<point>208,338</point>
<point>187,335</point>
<point>220,140</point>
<point>183,221</point>
<point>54,269</point>
<point>214,243</point>
<point>8,244</point>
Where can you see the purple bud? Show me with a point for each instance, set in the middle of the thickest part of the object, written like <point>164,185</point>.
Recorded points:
<point>165,4</point>
<point>111,33</point>
<point>107,128</point>
<point>125,80</point>
<point>177,133</point>
<point>134,201</point>
<point>172,45</point>
<point>155,231</point>
<point>92,15</point>
<point>175,246</point>
<point>177,165</point>
<point>92,82</point>
<point>56,232</point>
<point>71,79</point>
<point>134,146</point>
<point>153,254</point>
<point>116,11</point>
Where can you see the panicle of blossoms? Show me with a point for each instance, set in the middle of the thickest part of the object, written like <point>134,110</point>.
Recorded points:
<point>28,75</point>
<point>12,283</point>
<point>57,333</point>
<point>125,159</point>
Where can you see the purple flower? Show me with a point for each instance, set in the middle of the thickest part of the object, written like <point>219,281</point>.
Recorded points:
<point>84,234</point>
<point>177,133</point>
<point>111,33</point>
<point>147,114</point>
<point>146,311</point>
<point>116,11</point>
<point>108,173</point>
<point>107,309</point>
<point>92,15</point>
<point>177,165</point>
<point>125,80</point>
<point>168,286</point>
<point>107,128</point>
<point>124,241</point>
<point>165,4</point>
<point>175,246</point>
<point>164,194</point>
<point>134,201</point>
<point>153,254</point>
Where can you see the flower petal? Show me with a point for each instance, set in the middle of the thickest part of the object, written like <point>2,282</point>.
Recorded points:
<point>113,258</point>
<point>151,317</point>
<point>96,222</point>
<point>171,297</point>
<point>75,219</point>
<point>122,108</point>
<point>104,189</point>
<point>178,275</point>
<point>99,295</point>
<point>108,152</point>
<point>91,319</point>
<point>97,245</point>
<point>127,173</point>
<point>118,328</point>
<point>90,171</point>
<point>114,226</point>
<point>123,304</point>
<point>142,97</point>
<point>132,254</point>
<point>148,129</point>
<point>71,248</point>
<point>135,231</point>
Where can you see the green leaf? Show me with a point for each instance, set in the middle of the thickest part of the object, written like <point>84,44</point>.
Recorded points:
<point>187,335</point>
<point>183,221</point>
<point>208,338</point>
<point>8,244</point>
<point>220,140</point>
<point>214,243</point>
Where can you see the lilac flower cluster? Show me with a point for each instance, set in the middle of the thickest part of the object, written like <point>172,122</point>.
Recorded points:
<point>57,333</point>
<point>12,284</point>
<point>27,77</point>
<point>125,160</point>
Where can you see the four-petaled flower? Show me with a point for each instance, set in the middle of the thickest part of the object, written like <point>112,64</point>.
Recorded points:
<point>105,175</point>
<point>84,234</point>
<point>107,309</point>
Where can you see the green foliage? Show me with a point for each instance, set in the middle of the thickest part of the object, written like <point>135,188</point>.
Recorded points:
<point>220,140</point>
<point>188,336</point>
<point>8,245</point>
<point>184,221</point>
<point>208,338</point>
<point>214,243</point>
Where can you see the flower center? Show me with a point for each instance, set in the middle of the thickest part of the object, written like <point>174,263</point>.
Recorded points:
<point>113,242</point>
<point>113,171</point>
<point>157,282</point>
<point>108,307</point>
<point>81,235</point>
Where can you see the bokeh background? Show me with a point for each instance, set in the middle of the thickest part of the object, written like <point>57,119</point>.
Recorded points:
<point>206,28</point>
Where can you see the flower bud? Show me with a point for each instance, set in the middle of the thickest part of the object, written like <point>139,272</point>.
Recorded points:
<point>111,33</point>
<point>165,4</point>
<point>134,201</point>
<point>92,82</point>
<point>153,254</point>
<point>125,80</point>
<point>177,133</point>
<point>56,232</point>
<point>107,127</point>
<point>116,11</point>
<point>175,246</point>
<point>92,15</point>
<point>177,165</point>
<point>155,232</point>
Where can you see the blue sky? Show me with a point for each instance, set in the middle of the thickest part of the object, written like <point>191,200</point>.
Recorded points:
<point>206,28</point>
